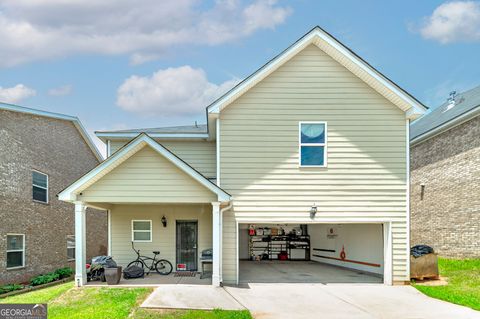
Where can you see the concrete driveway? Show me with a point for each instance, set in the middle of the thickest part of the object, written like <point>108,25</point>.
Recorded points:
<point>359,301</point>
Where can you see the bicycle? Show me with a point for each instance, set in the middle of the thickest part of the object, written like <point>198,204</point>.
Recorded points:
<point>162,266</point>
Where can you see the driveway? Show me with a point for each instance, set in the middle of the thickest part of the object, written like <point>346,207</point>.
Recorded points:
<point>359,301</point>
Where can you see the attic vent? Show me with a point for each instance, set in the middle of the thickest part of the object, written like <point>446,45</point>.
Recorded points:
<point>452,101</point>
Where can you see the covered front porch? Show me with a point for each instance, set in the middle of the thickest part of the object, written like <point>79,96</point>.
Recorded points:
<point>155,203</point>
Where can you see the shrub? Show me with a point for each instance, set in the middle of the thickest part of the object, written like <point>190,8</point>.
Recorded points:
<point>44,279</point>
<point>64,272</point>
<point>11,287</point>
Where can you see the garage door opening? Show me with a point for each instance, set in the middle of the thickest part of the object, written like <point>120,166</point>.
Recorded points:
<point>313,253</point>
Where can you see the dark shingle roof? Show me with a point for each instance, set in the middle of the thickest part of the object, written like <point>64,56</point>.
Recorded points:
<point>200,128</point>
<point>464,102</point>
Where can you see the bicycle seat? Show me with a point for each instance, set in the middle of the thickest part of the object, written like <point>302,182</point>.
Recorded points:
<point>156,252</point>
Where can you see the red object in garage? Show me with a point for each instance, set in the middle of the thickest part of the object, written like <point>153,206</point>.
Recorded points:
<point>283,255</point>
<point>343,255</point>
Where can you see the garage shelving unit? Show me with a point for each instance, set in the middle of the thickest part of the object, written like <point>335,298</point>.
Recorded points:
<point>297,248</point>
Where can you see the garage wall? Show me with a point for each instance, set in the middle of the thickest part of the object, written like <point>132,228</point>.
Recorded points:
<point>362,242</point>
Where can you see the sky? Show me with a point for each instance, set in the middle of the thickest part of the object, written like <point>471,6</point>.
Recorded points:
<point>148,63</point>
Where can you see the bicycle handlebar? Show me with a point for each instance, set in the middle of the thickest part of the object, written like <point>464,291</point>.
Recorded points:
<point>136,251</point>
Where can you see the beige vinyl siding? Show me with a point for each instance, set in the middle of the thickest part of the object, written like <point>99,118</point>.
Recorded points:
<point>366,173</point>
<point>147,177</point>
<point>163,238</point>
<point>198,154</point>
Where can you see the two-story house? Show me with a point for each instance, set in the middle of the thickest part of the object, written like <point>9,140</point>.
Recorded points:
<point>310,153</point>
<point>40,154</point>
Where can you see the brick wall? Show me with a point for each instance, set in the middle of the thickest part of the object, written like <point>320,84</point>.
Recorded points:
<point>54,147</point>
<point>448,217</point>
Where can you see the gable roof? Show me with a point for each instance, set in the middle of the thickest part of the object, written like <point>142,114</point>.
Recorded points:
<point>69,193</point>
<point>341,54</point>
<point>58,116</point>
<point>186,131</point>
<point>442,118</point>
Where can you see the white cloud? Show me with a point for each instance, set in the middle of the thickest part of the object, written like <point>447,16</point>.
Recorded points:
<point>44,29</point>
<point>61,90</point>
<point>457,21</point>
<point>16,94</point>
<point>173,91</point>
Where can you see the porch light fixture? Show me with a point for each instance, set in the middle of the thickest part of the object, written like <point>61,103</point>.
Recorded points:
<point>164,221</point>
<point>313,211</point>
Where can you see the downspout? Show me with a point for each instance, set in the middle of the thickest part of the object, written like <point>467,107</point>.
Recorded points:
<point>230,205</point>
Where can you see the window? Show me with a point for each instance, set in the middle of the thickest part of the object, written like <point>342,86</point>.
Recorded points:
<point>71,247</point>
<point>142,230</point>
<point>15,251</point>
<point>40,187</point>
<point>313,144</point>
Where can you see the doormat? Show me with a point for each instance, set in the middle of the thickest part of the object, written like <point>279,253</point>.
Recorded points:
<point>185,274</point>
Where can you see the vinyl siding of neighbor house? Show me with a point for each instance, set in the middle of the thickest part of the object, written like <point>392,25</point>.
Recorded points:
<point>199,154</point>
<point>259,154</point>
<point>147,177</point>
<point>163,238</point>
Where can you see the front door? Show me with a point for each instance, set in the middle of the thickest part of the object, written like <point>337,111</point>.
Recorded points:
<point>187,232</point>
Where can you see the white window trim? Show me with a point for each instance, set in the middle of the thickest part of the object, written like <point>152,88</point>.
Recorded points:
<point>74,247</point>
<point>143,231</point>
<point>300,144</point>
<point>16,250</point>
<point>45,188</point>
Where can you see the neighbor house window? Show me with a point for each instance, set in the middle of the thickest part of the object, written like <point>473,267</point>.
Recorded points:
<point>142,230</point>
<point>313,144</point>
<point>71,247</point>
<point>40,186</point>
<point>15,251</point>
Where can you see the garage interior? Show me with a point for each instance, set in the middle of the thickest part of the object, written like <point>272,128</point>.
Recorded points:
<point>311,253</point>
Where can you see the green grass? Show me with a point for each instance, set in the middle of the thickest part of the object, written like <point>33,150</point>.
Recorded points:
<point>39,296</point>
<point>64,301</point>
<point>463,277</point>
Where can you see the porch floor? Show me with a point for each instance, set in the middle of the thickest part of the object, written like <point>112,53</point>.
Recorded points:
<point>154,280</point>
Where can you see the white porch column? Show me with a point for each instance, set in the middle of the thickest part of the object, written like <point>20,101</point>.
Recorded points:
<point>216,229</point>
<point>80,244</point>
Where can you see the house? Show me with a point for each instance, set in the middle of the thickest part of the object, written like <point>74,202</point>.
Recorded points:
<point>314,143</point>
<point>37,149</point>
<point>445,177</point>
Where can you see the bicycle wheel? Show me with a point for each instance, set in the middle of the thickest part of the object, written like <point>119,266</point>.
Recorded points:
<point>137,263</point>
<point>163,267</point>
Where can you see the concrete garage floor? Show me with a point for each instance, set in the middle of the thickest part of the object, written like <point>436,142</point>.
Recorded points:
<point>301,272</point>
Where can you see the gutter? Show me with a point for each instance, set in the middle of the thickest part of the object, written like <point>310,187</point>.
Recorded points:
<point>446,126</point>
<point>230,205</point>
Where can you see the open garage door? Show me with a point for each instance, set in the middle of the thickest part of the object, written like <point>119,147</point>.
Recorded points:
<point>323,253</point>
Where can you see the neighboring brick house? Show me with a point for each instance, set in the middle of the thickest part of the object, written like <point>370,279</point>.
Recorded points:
<point>40,154</point>
<point>445,177</point>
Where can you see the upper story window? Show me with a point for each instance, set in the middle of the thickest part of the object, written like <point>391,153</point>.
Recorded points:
<point>313,144</point>
<point>142,230</point>
<point>15,251</point>
<point>40,186</point>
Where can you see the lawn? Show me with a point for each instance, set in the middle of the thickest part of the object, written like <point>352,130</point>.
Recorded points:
<point>463,277</point>
<point>64,301</point>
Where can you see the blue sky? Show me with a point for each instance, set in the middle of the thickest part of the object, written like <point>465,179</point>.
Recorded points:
<point>122,64</point>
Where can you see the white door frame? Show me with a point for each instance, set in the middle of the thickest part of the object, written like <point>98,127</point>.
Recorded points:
<point>387,243</point>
